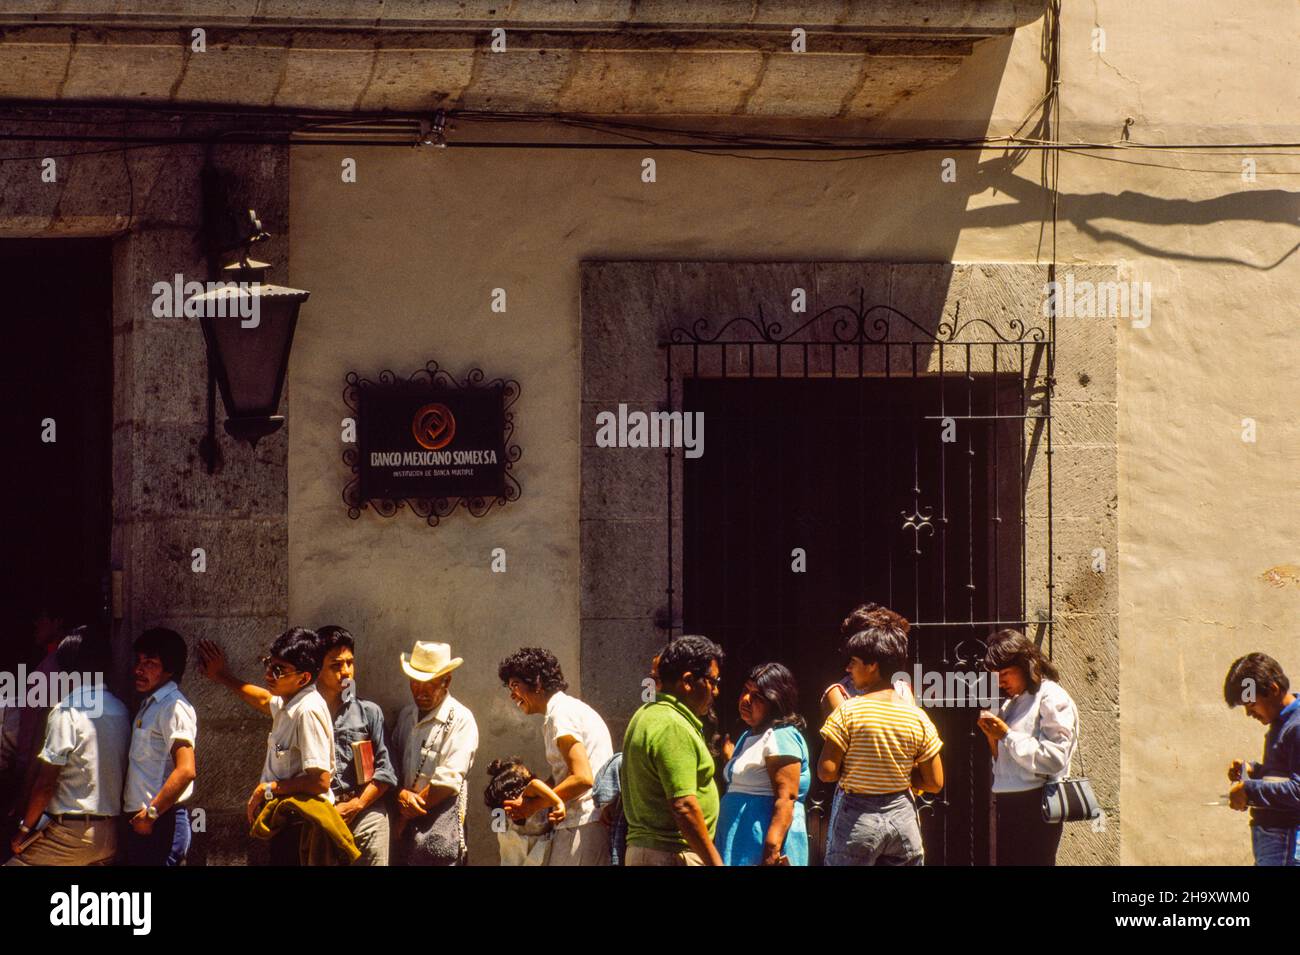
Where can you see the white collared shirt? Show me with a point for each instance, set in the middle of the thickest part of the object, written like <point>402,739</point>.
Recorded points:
<point>301,737</point>
<point>87,736</point>
<point>569,716</point>
<point>437,748</point>
<point>1040,741</point>
<point>166,718</point>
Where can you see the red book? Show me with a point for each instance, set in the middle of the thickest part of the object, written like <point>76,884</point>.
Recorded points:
<point>363,759</point>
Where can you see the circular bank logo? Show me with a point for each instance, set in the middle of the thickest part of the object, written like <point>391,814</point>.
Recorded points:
<point>433,426</point>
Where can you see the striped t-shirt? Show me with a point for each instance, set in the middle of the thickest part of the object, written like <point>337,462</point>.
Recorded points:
<point>882,741</point>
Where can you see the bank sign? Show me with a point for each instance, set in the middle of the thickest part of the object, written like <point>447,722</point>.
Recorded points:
<point>422,443</point>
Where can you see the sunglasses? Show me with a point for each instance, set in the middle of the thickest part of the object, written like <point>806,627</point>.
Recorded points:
<point>277,670</point>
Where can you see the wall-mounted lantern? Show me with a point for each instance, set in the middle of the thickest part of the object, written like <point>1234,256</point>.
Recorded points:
<point>248,326</point>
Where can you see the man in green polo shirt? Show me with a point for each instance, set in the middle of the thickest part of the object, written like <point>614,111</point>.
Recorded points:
<point>669,796</point>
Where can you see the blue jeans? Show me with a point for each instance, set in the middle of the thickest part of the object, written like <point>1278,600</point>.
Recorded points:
<point>167,845</point>
<point>1275,846</point>
<point>875,830</point>
<point>837,798</point>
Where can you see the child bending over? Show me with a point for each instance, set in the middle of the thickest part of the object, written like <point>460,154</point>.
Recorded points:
<point>528,842</point>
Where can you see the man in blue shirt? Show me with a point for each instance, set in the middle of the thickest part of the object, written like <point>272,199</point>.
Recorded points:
<point>1270,789</point>
<point>362,804</point>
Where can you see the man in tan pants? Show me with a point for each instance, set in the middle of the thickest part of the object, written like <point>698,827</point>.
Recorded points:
<point>80,767</point>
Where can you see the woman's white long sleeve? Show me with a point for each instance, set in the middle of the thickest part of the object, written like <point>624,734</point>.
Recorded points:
<point>1040,739</point>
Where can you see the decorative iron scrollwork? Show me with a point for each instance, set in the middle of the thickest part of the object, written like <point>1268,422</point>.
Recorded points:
<point>927,804</point>
<point>916,522</point>
<point>852,325</point>
<point>971,660</point>
<point>433,510</point>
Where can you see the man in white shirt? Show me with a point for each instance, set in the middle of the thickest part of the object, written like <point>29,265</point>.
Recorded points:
<point>577,747</point>
<point>435,738</point>
<point>160,775</point>
<point>72,809</point>
<point>300,748</point>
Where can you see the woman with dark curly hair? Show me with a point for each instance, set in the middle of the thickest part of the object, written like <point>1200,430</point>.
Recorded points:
<point>761,819</point>
<point>577,746</point>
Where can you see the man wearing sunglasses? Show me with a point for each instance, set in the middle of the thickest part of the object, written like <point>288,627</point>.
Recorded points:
<point>669,794</point>
<point>300,748</point>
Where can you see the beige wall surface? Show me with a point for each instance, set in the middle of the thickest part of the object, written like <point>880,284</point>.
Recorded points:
<point>402,263</point>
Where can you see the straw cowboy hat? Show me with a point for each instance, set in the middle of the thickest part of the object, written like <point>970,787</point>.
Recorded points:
<point>428,661</point>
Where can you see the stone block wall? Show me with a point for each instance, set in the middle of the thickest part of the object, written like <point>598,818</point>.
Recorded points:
<point>165,504</point>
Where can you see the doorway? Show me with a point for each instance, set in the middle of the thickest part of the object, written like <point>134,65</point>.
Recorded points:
<point>57,385</point>
<point>817,494</point>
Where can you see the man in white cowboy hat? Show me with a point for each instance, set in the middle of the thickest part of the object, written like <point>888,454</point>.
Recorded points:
<point>435,738</point>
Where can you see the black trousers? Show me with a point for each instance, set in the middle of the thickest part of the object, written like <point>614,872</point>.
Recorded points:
<point>1023,837</point>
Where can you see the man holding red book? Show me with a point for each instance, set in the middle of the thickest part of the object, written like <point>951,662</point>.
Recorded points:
<point>363,772</point>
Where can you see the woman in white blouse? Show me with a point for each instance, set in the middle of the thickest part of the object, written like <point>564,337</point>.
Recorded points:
<point>1032,740</point>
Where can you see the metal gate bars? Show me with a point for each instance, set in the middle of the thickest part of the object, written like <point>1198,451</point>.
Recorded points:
<point>956,536</point>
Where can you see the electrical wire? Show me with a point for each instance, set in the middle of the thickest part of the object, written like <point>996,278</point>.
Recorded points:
<point>336,128</point>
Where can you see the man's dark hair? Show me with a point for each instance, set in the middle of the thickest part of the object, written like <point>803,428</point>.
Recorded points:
<point>534,666</point>
<point>332,637</point>
<point>777,686</point>
<point>872,615</point>
<point>1009,648</point>
<point>883,641</point>
<point>687,654</point>
<point>1261,671</point>
<point>83,650</point>
<point>168,646</point>
<point>301,649</point>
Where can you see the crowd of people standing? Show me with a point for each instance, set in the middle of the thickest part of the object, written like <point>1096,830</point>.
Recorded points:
<point>338,786</point>
<point>97,785</point>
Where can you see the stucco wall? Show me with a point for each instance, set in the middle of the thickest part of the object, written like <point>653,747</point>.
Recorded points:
<point>401,265</point>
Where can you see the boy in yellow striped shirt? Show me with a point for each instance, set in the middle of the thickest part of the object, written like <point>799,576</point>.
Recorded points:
<point>873,742</point>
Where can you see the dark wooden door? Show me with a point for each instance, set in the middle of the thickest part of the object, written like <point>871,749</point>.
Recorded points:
<point>58,345</point>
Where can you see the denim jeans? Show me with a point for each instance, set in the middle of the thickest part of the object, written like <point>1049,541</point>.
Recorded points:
<point>837,799</point>
<point>1275,846</point>
<point>875,830</point>
<point>166,845</point>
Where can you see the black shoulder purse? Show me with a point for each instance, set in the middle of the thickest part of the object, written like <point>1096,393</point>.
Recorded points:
<point>1071,799</point>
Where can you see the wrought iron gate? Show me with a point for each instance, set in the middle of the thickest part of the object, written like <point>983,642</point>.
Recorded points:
<point>895,461</point>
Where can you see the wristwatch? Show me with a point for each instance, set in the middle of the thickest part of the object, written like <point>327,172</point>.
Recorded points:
<point>24,828</point>
<point>268,791</point>
<point>151,811</point>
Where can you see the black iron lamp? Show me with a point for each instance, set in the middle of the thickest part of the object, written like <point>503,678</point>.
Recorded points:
<point>248,325</point>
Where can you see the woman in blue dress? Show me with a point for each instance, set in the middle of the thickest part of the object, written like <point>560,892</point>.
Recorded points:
<point>761,820</point>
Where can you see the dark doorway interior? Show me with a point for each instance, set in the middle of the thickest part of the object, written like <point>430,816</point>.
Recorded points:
<point>58,337</point>
<point>836,467</point>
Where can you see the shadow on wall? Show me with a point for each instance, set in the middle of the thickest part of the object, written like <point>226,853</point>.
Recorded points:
<point>1084,210</point>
